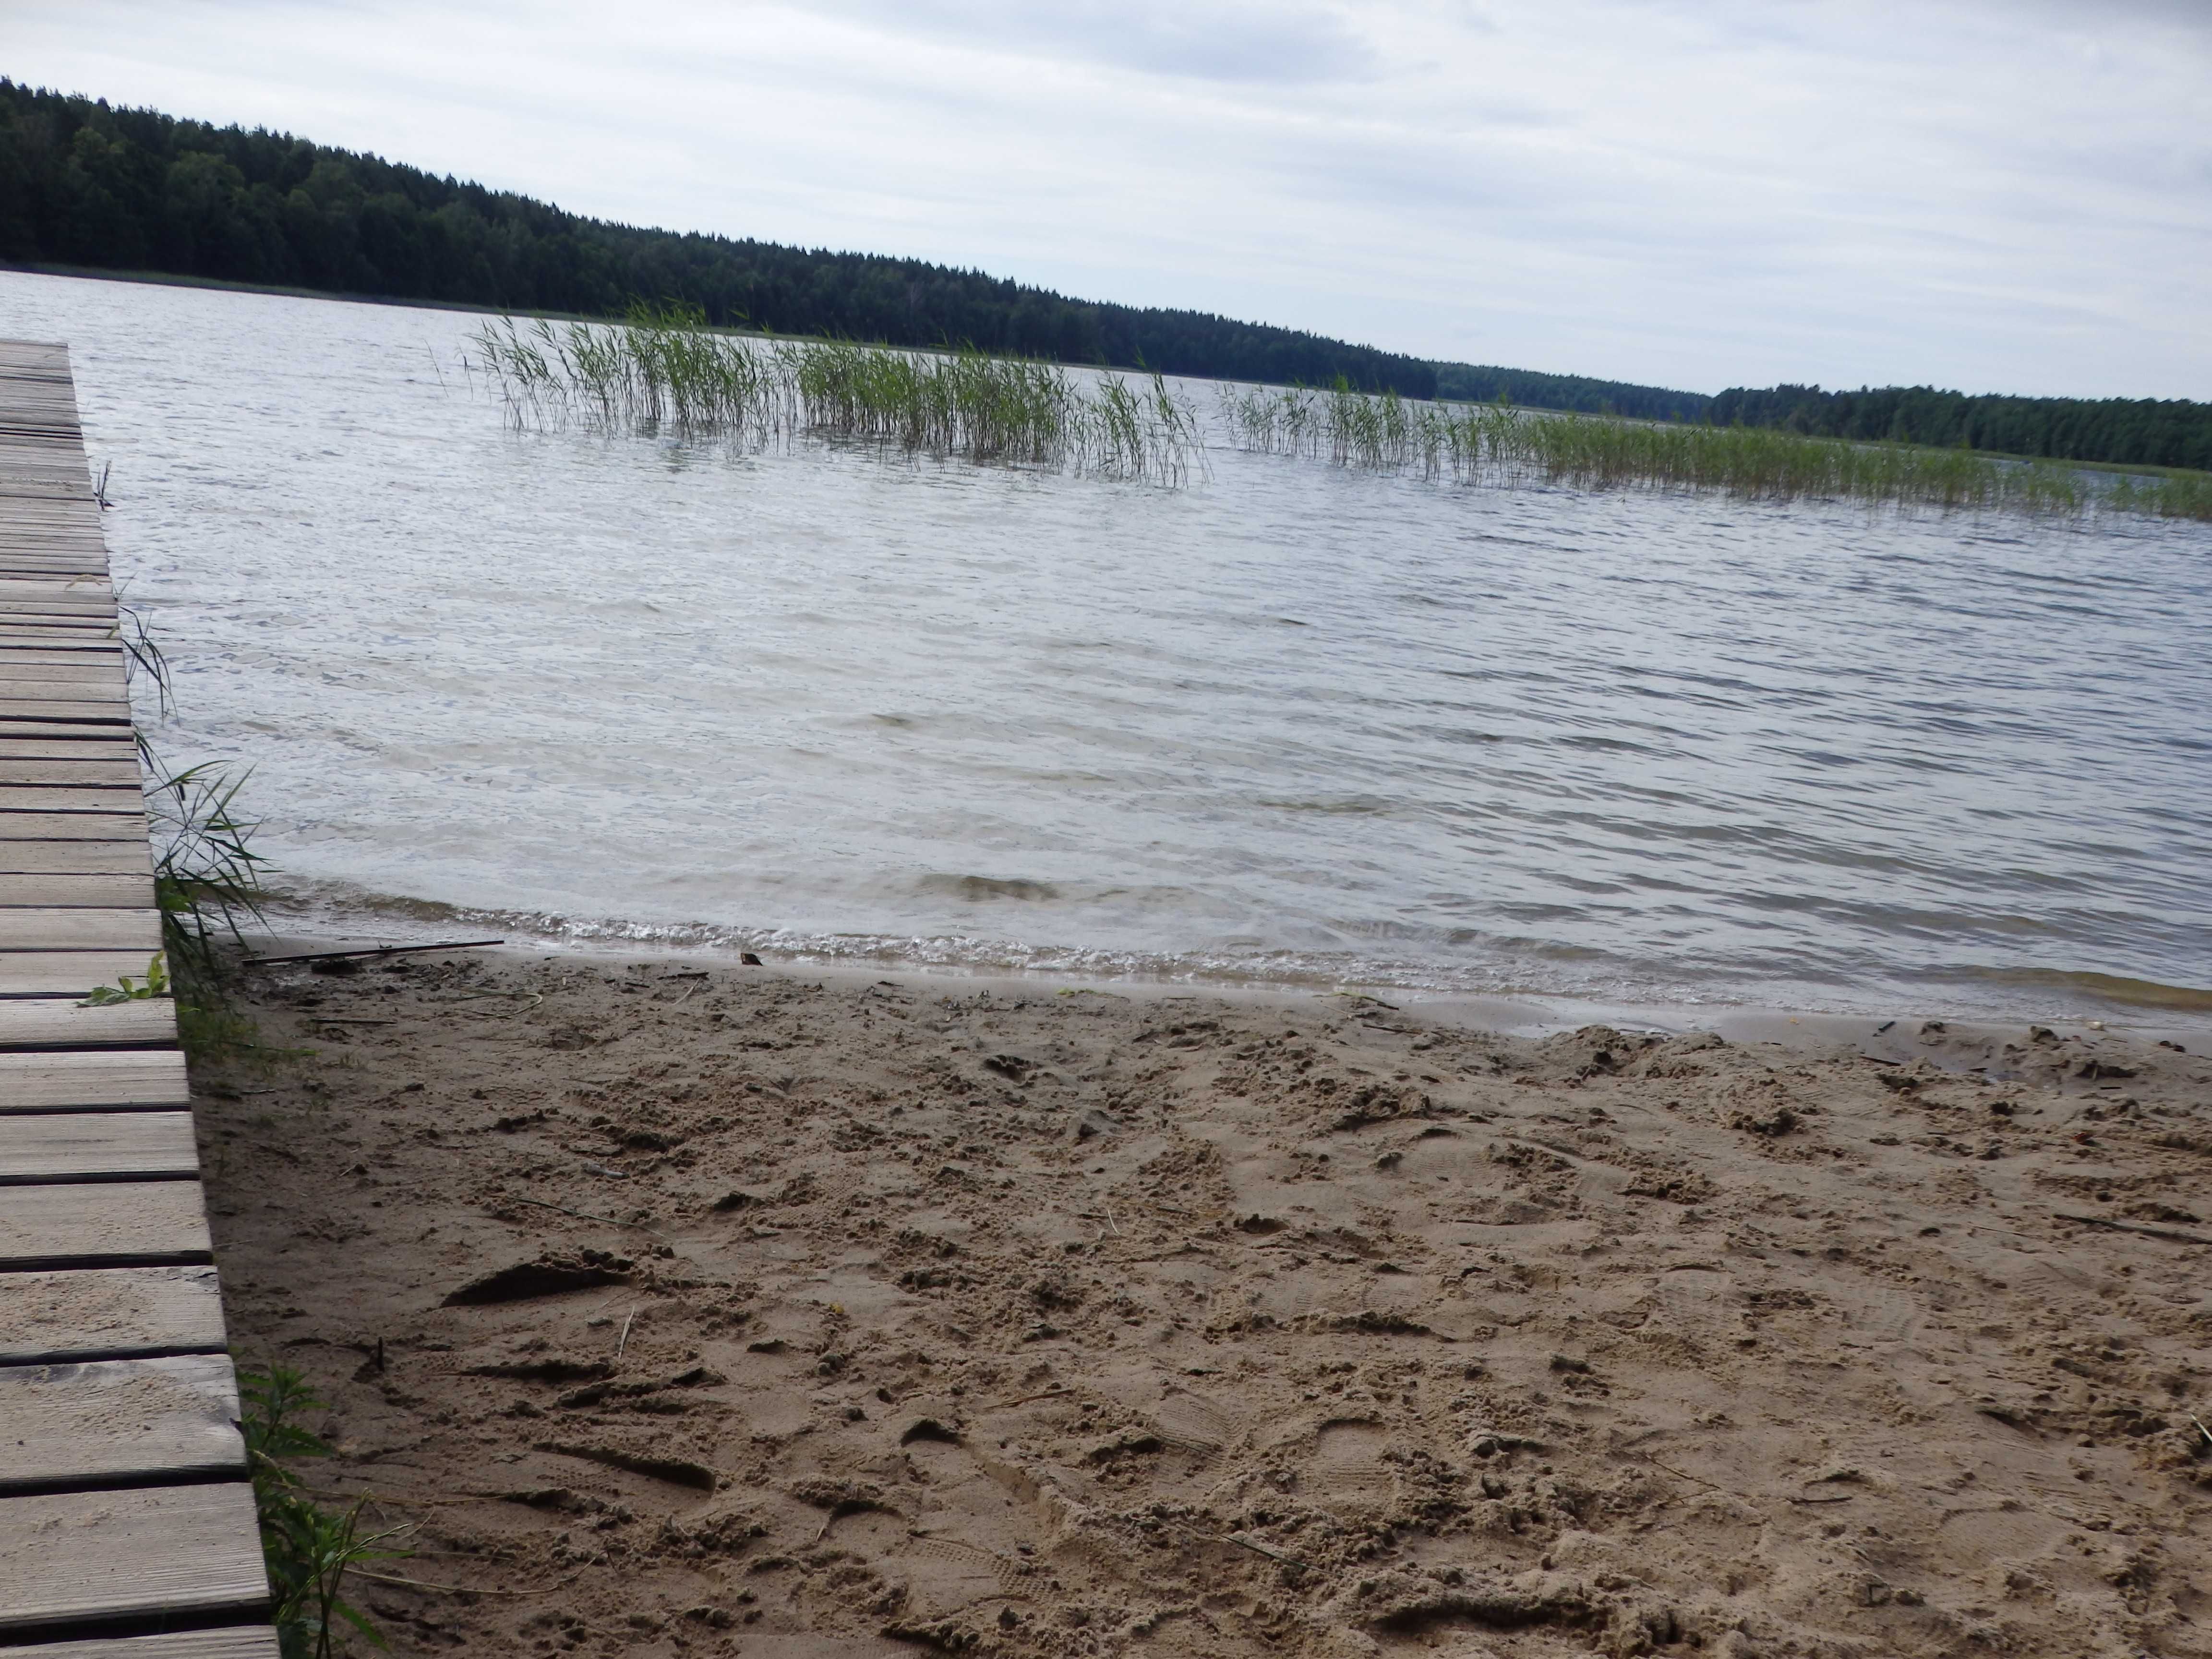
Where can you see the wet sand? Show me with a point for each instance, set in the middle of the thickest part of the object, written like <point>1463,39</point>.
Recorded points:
<point>714,1309</point>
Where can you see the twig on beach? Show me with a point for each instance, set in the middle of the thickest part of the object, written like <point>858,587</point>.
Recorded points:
<point>1259,1548</point>
<point>376,950</point>
<point>624,1343</point>
<point>2166,1233</point>
<point>603,1220</point>
<point>460,1590</point>
<point>1694,1480</point>
<point>1056,1392</point>
<point>2201,1430</point>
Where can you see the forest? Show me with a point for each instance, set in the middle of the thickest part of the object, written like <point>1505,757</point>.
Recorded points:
<point>2131,432</point>
<point>85,185</point>
<point>1475,384</point>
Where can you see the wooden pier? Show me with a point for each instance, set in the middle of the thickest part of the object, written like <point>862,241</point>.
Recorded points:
<point>126,1521</point>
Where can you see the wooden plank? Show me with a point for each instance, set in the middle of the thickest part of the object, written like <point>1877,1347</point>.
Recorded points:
<point>108,1313</point>
<point>22,928</point>
<point>43,692</point>
<point>61,633</point>
<point>66,973</point>
<point>75,858</point>
<point>23,773</point>
<point>71,797</point>
<point>53,1147</point>
<point>106,729</point>
<point>115,1421</point>
<point>107,1080</point>
<point>50,613</point>
<point>88,676</point>
<point>77,747</point>
<point>232,1641</point>
<point>56,609</point>
<point>50,555</point>
<point>66,1023</point>
<point>91,892</point>
<point>91,676</point>
<point>32,596</point>
<point>70,710</point>
<point>21,657</point>
<point>72,826</point>
<point>77,1558</point>
<point>111,1224</point>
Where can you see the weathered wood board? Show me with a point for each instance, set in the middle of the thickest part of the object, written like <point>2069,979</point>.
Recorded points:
<point>114,748</point>
<point>73,826</point>
<point>51,773</point>
<point>66,973</point>
<point>104,1080</point>
<point>108,1224</point>
<point>108,1420</point>
<point>232,1641</point>
<point>67,1023</point>
<point>72,795</point>
<point>108,1313</point>
<point>89,892</point>
<point>72,1557</point>
<point>29,927</point>
<point>45,1146</point>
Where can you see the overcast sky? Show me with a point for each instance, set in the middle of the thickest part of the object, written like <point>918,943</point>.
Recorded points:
<point>2002,195</point>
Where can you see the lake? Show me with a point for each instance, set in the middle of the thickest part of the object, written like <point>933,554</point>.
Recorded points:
<point>1292,725</point>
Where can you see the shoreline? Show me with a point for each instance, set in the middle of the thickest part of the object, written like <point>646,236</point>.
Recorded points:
<point>1527,1014</point>
<point>688,1308</point>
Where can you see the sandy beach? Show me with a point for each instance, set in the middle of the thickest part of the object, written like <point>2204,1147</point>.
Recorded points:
<point>703,1308</point>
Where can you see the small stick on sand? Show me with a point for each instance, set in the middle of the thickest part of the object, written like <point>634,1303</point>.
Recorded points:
<point>603,1220</point>
<point>1685,1475</point>
<point>1267,1550</point>
<point>459,1589</point>
<point>2167,1233</point>
<point>376,950</point>
<point>2201,1430</point>
<point>624,1343</point>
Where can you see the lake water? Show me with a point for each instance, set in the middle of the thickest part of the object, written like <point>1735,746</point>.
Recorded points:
<point>1294,724</point>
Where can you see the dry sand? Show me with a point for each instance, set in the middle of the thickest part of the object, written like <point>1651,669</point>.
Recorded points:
<point>903,1315</point>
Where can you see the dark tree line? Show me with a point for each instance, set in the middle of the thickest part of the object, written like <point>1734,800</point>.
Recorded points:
<point>2131,432</point>
<point>1524,387</point>
<point>86,184</point>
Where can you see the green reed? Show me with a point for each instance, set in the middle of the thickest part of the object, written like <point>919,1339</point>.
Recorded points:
<point>663,370</point>
<point>1494,443</point>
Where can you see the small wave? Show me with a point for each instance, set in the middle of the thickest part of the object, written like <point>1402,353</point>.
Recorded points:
<point>976,889</point>
<point>2107,987</point>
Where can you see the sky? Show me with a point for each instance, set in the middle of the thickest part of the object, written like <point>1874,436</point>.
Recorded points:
<point>1996,195</point>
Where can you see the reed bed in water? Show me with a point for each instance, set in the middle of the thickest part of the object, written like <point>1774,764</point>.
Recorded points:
<point>1497,445</point>
<point>663,370</point>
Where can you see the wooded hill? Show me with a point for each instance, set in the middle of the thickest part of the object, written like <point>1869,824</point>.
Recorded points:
<point>2134,431</point>
<point>83,184</point>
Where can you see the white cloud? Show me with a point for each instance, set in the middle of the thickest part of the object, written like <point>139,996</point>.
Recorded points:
<point>1995,196</point>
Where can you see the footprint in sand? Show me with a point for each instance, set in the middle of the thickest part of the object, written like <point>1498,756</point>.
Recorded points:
<point>1191,1422</point>
<point>1348,1470</point>
<point>944,1577</point>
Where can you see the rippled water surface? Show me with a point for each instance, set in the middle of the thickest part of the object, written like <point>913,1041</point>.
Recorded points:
<point>1292,723</point>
